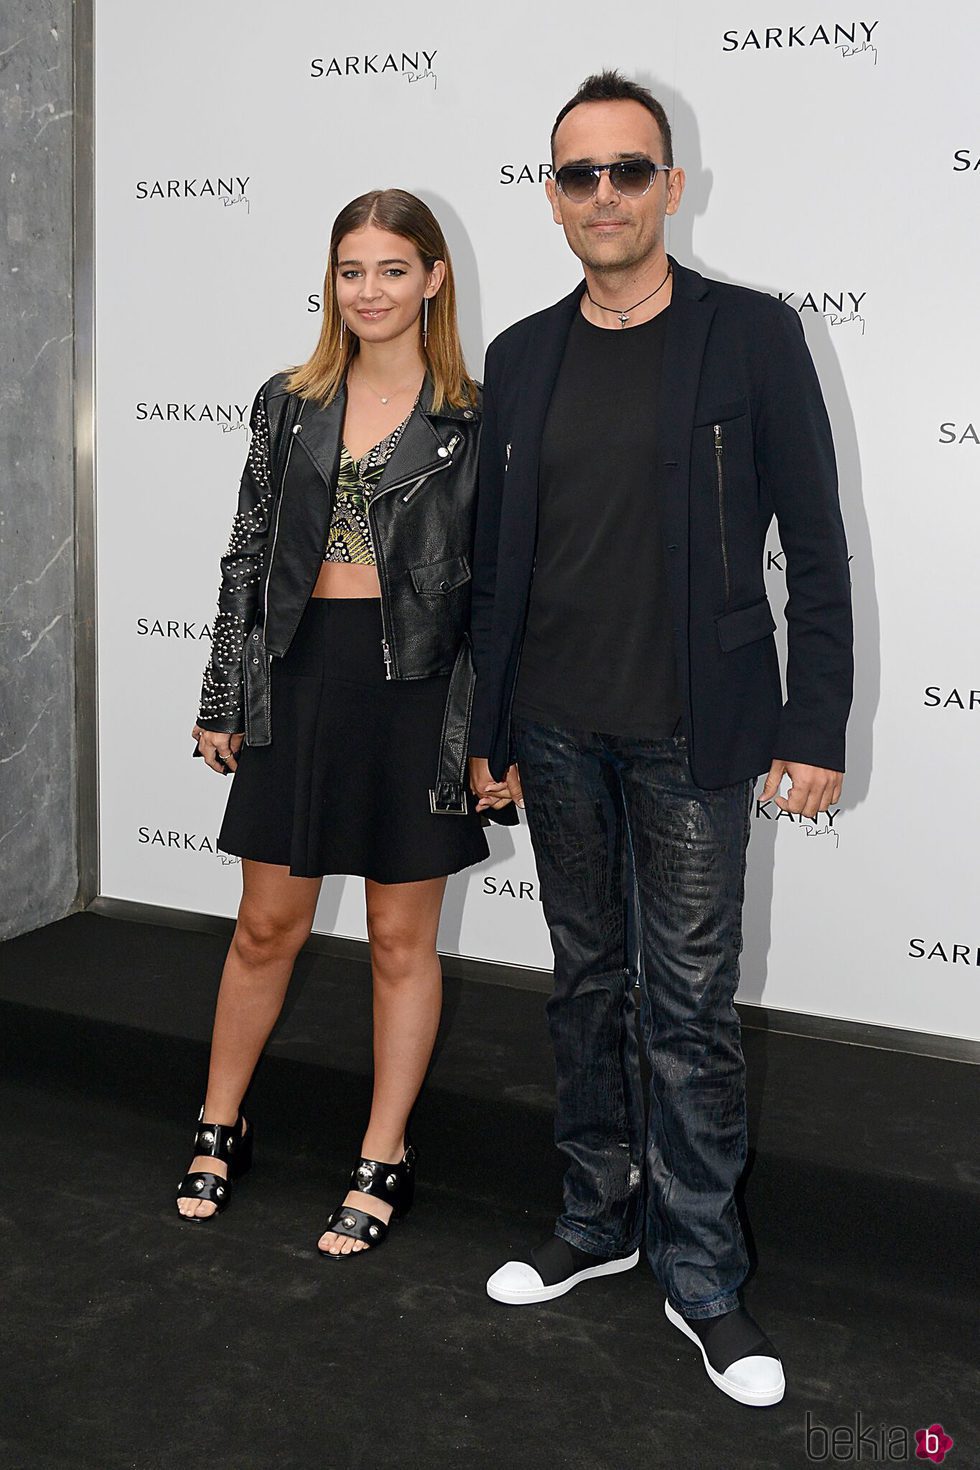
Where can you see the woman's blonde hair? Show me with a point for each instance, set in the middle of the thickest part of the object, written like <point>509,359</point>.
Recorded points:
<point>401,213</point>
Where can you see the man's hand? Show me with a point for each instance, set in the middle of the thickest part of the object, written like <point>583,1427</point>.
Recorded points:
<point>814,789</point>
<point>493,793</point>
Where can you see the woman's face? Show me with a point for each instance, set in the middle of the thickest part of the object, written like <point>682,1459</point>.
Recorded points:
<point>381,281</point>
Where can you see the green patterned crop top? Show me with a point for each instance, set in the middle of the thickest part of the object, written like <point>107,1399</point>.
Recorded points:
<point>349,537</point>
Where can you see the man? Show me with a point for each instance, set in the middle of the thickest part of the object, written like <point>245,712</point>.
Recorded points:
<point>638,438</point>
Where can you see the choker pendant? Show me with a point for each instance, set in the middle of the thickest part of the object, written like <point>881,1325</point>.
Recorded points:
<point>627,312</point>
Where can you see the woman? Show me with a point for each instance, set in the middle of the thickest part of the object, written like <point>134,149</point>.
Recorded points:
<point>340,683</point>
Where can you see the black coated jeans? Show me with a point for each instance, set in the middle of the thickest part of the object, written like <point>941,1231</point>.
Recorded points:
<point>642,879</point>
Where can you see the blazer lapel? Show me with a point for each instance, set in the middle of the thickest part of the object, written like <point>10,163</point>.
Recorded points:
<point>688,324</point>
<point>541,364</point>
<point>524,431</point>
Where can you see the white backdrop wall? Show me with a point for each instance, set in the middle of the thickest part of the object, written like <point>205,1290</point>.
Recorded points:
<point>836,163</point>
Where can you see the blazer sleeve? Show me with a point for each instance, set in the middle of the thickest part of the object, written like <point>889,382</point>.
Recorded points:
<point>484,579</point>
<point>222,695</point>
<point>798,471</point>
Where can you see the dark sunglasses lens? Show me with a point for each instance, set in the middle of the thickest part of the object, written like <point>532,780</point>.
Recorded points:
<point>633,178</point>
<point>576,184</point>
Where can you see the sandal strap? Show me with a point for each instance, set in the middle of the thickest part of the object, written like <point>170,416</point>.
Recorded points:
<point>382,1181</point>
<point>206,1186</point>
<point>217,1139</point>
<point>357,1225</point>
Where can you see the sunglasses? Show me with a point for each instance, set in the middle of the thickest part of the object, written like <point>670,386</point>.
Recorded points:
<point>579,181</point>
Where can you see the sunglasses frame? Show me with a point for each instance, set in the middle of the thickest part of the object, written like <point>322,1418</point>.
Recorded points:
<point>595,169</point>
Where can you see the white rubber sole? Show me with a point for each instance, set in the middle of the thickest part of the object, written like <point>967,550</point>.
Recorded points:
<point>755,1398</point>
<point>517,1296</point>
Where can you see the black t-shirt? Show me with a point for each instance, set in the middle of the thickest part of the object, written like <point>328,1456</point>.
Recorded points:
<point>598,650</point>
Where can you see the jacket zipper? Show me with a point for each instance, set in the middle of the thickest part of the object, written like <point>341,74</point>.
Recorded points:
<point>510,705</point>
<point>443,465</point>
<point>720,480</point>
<point>416,482</point>
<point>420,475</point>
<point>275,533</point>
<point>383,580</point>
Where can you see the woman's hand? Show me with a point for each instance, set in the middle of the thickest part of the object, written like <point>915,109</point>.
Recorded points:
<point>494,793</point>
<point>218,750</point>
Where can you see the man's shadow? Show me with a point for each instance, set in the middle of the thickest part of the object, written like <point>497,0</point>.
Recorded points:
<point>757,925</point>
<point>681,228</point>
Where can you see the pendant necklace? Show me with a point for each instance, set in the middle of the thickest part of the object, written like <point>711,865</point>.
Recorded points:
<point>381,395</point>
<point>624,315</point>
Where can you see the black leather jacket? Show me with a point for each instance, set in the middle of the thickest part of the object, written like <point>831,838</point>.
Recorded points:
<point>422,517</point>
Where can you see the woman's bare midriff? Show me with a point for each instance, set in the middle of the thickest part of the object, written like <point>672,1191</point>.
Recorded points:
<point>341,579</point>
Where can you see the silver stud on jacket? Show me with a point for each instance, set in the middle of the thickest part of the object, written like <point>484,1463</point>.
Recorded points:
<point>222,698</point>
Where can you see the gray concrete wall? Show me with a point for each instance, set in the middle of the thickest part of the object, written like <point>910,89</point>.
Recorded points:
<point>38,863</point>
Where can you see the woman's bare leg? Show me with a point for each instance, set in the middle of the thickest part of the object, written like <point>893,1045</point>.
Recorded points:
<point>402,921</point>
<point>274,920</point>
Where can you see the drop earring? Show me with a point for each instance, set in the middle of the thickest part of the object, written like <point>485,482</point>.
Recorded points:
<point>425,321</point>
<point>343,329</point>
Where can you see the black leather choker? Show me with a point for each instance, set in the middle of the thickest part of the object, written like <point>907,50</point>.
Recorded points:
<point>624,316</point>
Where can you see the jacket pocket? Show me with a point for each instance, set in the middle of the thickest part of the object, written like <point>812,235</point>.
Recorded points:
<point>745,625</point>
<point>441,576</point>
<point>734,408</point>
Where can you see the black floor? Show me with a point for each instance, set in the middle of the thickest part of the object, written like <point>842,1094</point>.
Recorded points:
<point>132,1339</point>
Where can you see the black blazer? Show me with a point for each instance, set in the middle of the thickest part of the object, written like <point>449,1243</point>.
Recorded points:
<point>743,436</point>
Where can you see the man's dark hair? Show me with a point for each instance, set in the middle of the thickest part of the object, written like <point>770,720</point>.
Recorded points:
<point>612,86</point>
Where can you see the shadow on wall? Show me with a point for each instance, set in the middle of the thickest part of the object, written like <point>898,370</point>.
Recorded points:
<point>469,297</point>
<point>327,915</point>
<point>759,878</point>
<point>502,849</point>
<point>469,300</point>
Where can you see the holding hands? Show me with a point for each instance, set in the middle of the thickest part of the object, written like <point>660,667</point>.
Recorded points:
<point>493,793</point>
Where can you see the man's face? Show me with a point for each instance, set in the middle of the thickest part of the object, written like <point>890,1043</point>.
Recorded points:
<point>611,232</point>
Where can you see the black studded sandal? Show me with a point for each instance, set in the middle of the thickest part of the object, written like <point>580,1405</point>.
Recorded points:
<point>394,1184</point>
<point>234,1147</point>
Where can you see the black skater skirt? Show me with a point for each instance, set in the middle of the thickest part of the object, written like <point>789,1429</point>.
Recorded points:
<point>344,785</point>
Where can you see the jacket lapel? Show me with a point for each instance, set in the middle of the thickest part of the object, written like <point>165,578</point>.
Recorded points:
<point>523,431</point>
<point>538,374</point>
<point>689,320</point>
<point>418,449</point>
<point>302,516</point>
<point>320,434</point>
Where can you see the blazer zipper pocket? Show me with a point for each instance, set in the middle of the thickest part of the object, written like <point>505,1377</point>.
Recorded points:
<point>722,526</point>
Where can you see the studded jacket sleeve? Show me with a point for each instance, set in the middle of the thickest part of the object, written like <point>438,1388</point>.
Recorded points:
<point>222,695</point>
